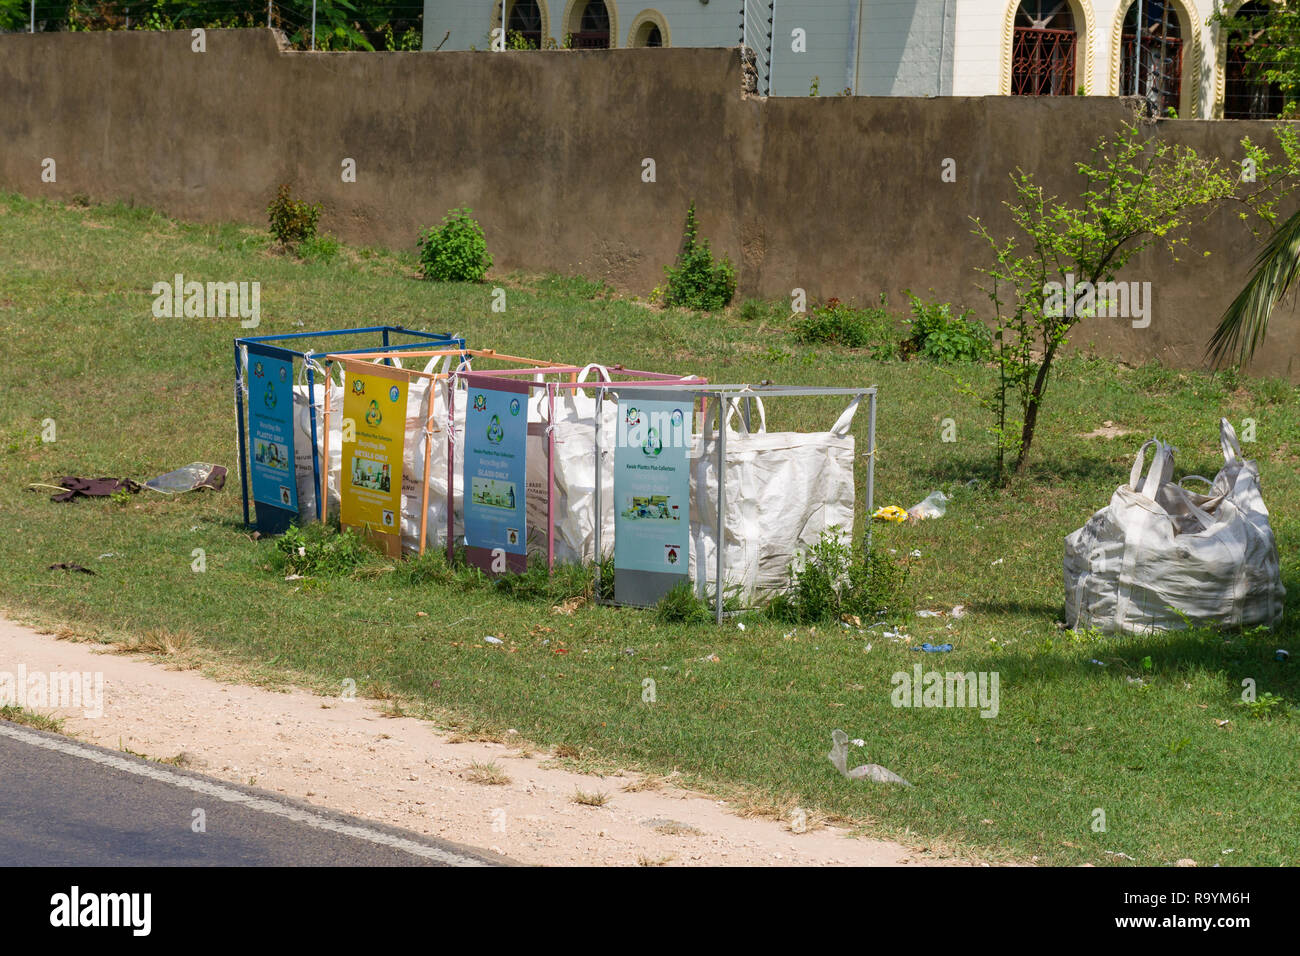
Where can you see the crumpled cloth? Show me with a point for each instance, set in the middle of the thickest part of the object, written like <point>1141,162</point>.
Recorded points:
<point>93,487</point>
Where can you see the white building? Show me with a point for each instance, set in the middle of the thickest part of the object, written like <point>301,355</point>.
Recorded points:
<point>909,47</point>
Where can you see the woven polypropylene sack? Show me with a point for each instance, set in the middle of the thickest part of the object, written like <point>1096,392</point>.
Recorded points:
<point>784,489</point>
<point>1160,557</point>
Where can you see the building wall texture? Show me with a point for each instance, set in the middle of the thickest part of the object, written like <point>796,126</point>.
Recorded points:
<point>840,196</point>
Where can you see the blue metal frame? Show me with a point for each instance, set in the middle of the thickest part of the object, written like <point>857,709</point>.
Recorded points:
<point>436,339</point>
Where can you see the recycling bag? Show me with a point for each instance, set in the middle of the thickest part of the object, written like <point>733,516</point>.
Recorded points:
<point>1161,556</point>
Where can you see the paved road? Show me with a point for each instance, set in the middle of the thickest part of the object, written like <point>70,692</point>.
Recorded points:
<point>66,803</point>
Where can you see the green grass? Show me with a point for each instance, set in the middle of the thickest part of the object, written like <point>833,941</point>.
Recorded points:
<point>138,396</point>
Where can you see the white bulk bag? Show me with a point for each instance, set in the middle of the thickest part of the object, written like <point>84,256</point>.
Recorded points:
<point>308,480</point>
<point>575,471</point>
<point>413,463</point>
<point>783,490</point>
<point>1159,553</point>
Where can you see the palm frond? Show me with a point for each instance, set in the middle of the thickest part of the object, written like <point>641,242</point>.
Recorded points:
<point>1244,324</point>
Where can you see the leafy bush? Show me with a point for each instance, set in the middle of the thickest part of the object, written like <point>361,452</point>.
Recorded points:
<point>938,334</point>
<point>833,583</point>
<point>456,251</point>
<point>292,221</point>
<point>835,323</point>
<point>320,550</point>
<point>698,282</point>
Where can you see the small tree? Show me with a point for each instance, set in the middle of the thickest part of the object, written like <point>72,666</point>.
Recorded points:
<point>697,281</point>
<point>1269,41</point>
<point>1136,194</point>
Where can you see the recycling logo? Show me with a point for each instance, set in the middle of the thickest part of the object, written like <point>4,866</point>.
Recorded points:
<point>495,432</point>
<point>653,445</point>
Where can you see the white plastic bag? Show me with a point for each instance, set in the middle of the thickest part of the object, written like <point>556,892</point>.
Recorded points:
<point>575,471</point>
<point>307,479</point>
<point>1159,553</point>
<point>783,490</point>
<point>418,396</point>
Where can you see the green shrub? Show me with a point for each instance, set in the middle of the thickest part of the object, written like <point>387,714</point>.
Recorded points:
<point>456,251</point>
<point>835,323</point>
<point>698,282</point>
<point>833,583</point>
<point>939,335</point>
<point>320,550</point>
<point>292,221</point>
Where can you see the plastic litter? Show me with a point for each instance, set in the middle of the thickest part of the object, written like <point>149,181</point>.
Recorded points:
<point>195,475</point>
<point>934,506</point>
<point>1281,655</point>
<point>871,771</point>
<point>493,640</point>
<point>890,513</point>
<point>959,611</point>
<point>934,648</point>
<point>928,614</point>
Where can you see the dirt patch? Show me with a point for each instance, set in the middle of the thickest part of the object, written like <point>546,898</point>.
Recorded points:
<point>1107,430</point>
<point>352,757</point>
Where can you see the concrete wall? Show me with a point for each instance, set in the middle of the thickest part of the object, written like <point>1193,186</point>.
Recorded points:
<point>838,195</point>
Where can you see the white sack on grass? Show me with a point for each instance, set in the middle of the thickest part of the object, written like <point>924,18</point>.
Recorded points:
<point>413,464</point>
<point>783,490</point>
<point>575,471</point>
<point>1159,552</point>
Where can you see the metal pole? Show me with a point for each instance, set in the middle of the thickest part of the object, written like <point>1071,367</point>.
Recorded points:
<point>600,401</point>
<point>268,14</point>
<point>722,502</point>
<point>871,469</point>
<point>1164,46</point>
<point>315,452</point>
<point>313,24</point>
<point>33,30</point>
<point>239,419</point>
<point>1137,50</point>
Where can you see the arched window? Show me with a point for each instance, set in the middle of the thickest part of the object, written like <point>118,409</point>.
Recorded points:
<point>592,27</point>
<point>1044,49</point>
<point>525,18</point>
<point>1152,69</point>
<point>649,29</point>
<point>1244,96</point>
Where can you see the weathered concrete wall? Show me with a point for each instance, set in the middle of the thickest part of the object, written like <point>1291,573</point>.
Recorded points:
<point>839,196</point>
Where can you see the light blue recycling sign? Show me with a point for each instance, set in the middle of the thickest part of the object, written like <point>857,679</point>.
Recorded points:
<point>270,426</point>
<point>652,487</point>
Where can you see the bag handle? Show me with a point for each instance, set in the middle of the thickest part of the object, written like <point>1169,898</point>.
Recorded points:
<point>1228,442</point>
<point>733,406</point>
<point>1161,471</point>
<point>842,424</point>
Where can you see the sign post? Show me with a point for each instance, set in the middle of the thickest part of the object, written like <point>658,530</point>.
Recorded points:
<point>374,435</point>
<point>270,426</point>
<point>652,486</point>
<point>495,477</point>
